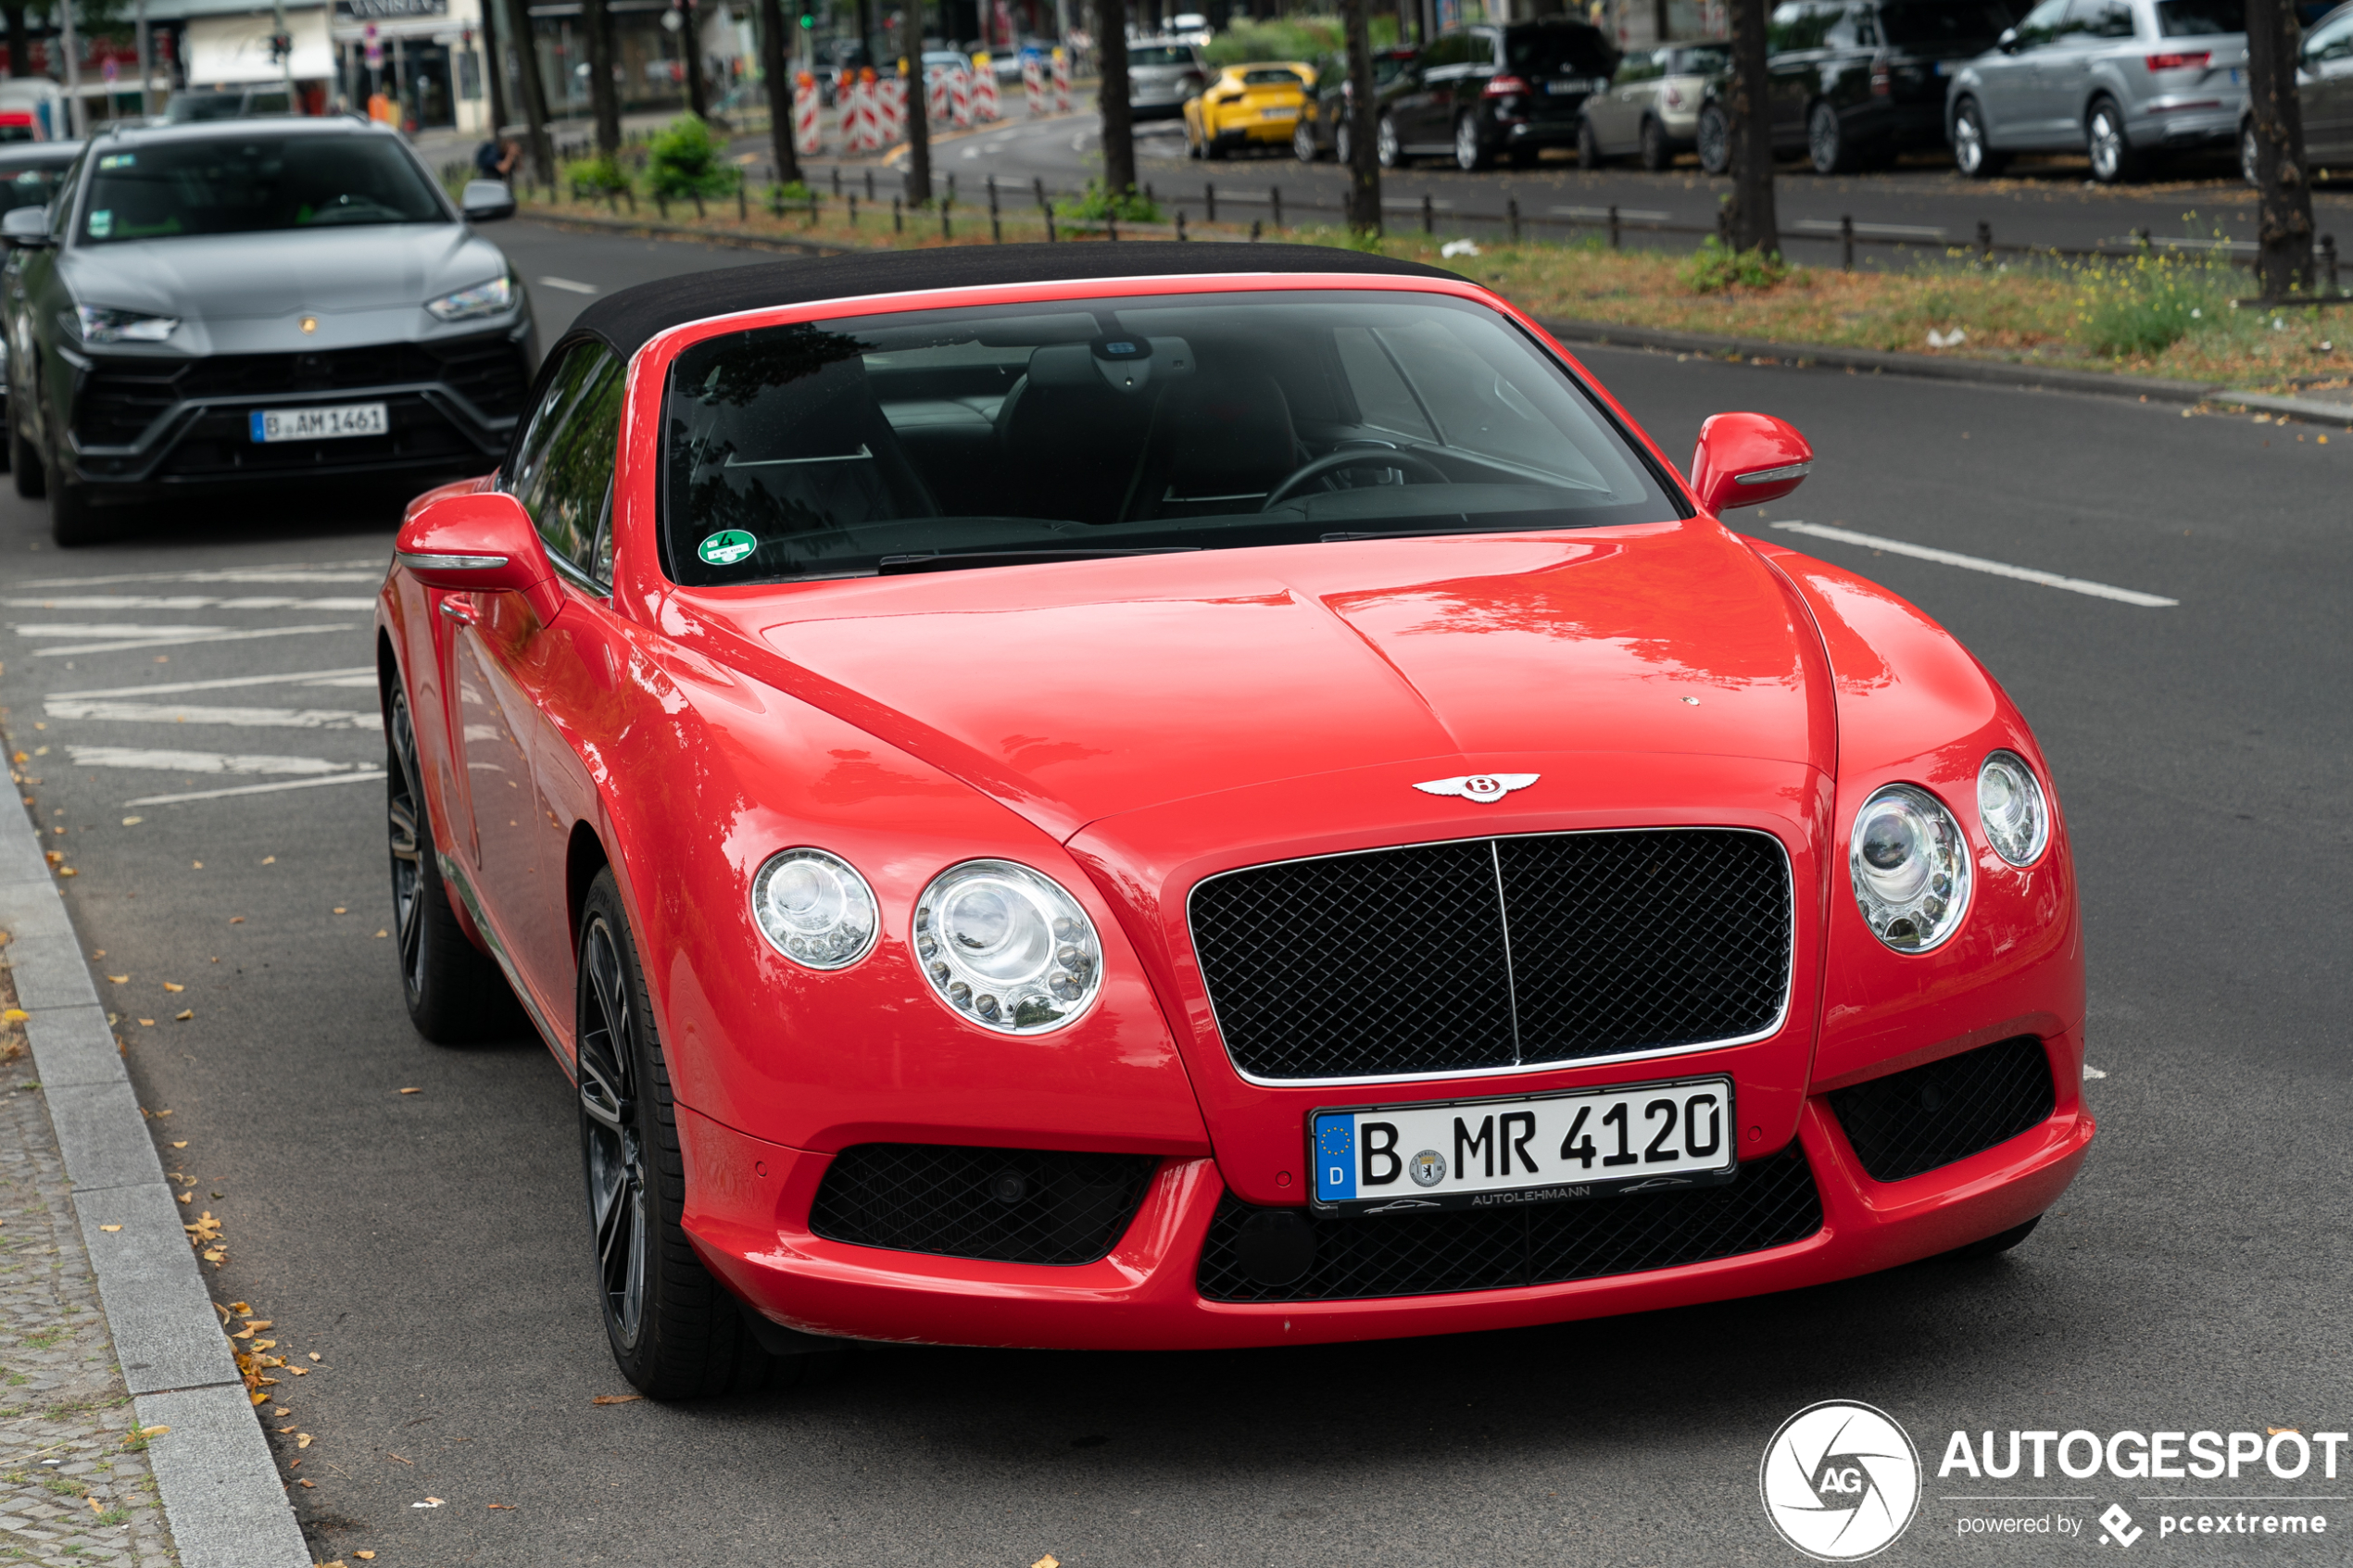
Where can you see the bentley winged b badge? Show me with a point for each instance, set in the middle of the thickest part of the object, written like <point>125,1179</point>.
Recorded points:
<point>1485,788</point>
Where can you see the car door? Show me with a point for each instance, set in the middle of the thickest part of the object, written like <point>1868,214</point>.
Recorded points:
<point>2063,71</point>
<point>2005,77</point>
<point>1431,121</point>
<point>507,664</point>
<point>1794,63</point>
<point>1617,115</point>
<point>2324,82</point>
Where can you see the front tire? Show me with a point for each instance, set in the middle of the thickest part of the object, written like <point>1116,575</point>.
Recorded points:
<point>1656,153</point>
<point>2115,161</point>
<point>1715,139</point>
<point>73,521</point>
<point>1588,146</point>
<point>1972,155</point>
<point>1827,143</point>
<point>1302,143</point>
<point>1470,150</point>
<point>675,1333</point>
<point>455,993</point>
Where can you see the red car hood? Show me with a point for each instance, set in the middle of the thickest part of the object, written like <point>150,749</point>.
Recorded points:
<point>1080,691</point>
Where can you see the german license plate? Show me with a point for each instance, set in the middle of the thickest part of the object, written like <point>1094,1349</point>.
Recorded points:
<point>1540,1148</point>
<point>1563,89</point>
<point>317,424</point>
<point>1279,114</point>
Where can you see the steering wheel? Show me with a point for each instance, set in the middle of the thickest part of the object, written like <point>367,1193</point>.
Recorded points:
<point>1307,473</point>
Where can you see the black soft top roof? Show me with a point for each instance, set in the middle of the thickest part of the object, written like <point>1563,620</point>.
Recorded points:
<point>628,319</point>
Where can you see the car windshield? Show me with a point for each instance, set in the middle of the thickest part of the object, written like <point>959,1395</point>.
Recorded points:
<point>1557,51</point>
<point>1922,24</point>
<point>1159,54</point>
<point>30,186</point>
<point>1700,62</point>
<point>922,440</point>
<point>2200,18</point>
<point>255,184</point>
<point>1270,76</point>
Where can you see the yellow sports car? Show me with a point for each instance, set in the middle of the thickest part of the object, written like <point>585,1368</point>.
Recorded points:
<point>1246,104</point>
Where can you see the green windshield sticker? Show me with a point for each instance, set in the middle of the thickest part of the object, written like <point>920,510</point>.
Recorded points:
<point>101,224</point>
<point>118,161</point>
<point>726,547</point>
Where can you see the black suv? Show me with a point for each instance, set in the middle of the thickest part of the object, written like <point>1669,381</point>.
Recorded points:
<point>1322,130</point>
<point>1478,92</point>
<point>1855,83</point>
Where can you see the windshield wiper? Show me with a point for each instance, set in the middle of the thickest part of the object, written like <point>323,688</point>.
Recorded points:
<point>952,560</point>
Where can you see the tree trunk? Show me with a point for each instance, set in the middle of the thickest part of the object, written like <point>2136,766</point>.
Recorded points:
<point>866,31</point>
<point>535,91</point>
<point>1363,111</point>
<point>1119,124</point>
<point>493,69</point>
<point>774,66</point>
<point>918,123</point>
<point>1756,225</point>
<point>690,43</point>
<point>2283,262</point>
<point>604,100</point>
<point>19,47</point>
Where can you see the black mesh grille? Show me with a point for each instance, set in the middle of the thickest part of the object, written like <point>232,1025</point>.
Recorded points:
<point>1008,1205</point>
<point>1395,962</point>
<point>1917,1119</point>
<point>1770,1204</point>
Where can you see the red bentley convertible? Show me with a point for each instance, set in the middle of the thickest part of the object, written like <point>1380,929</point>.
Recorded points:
<point>1158,796</point>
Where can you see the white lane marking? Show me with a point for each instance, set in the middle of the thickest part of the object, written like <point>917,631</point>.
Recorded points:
<point>1642,214</point>
<point>969,154</point>
<point>163,761</point>
<point>568,286</point>
<point>1979,563</point>
<point>360,777</point>
<point>241,717</point>
<point>1904,230</point>
<point>156,637</point>
<point>358,675</point>
<point>184,601</point>
<point>333,572</point>
<point>2091,1072</point>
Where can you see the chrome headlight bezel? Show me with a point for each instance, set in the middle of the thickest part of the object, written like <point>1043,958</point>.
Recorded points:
<point>1041,974</point>
<point>790,895</point>
<point>99,323</point>
<point>1914,904</point>
<point>2004,770</point>
<point>493,298</point>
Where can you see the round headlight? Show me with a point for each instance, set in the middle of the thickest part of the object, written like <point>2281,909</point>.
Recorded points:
<point>814,908</point>
<point>1007,947</point>
<point>2011,810</point>
<point>1910,868</point>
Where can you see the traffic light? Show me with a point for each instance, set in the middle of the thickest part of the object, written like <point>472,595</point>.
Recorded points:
<point>808,21</point>
<point>281,47</point>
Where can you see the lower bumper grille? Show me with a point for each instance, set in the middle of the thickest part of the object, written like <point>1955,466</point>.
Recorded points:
<point>1771,1204</point>
<point>1004,1205</point>
<point>1917,1120</point>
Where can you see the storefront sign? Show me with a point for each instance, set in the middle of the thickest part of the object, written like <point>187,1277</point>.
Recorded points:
<point>388,10</point>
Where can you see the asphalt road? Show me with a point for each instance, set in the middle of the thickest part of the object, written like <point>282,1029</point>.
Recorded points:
<point>1923,202</point>
<point>432,1249</point>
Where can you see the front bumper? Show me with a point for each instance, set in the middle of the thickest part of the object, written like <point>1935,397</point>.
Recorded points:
<point>150,424</point>
<point>748,1206</point>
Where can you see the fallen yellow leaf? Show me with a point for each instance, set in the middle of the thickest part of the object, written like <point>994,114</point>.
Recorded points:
<point>388,934</point>
<point>302,1439</point>
<point>615,1399</point>
<point>14,1015</point>
<point>280,1410</point>
<point>187,1196</point>
<point>239,1306</point>
<point>412,1091</point>
<point>146,1023</point>
<point>299,1370</point>
<point>1048,1560</point>
<point>299,1482</point>
<point>260,1398</point>
<point>182,1144</point>
<point>67,871</point>
<point>173,985</point>
<point>244,1333</point>
<point>215,1257</point>
<point>236,919</point>
<point>365,1556</point>
<point>120,979</point>
<point>152,1431</point>
<point>314,1355</point>
<point>132,822</point>
<point>196,865</point>
<point>339,909</point>
<point>270,859</point>
<point>183,1015</point>
<point>110,1227</point>
<point>261,1322</point>
<point>286,1428</point>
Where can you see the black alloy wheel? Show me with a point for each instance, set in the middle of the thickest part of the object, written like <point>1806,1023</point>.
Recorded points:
<point>455,993</point>
<point>1827,142</point>
<point>674,1331</point>
<point>1656,153</point>
<point>1715,139</point>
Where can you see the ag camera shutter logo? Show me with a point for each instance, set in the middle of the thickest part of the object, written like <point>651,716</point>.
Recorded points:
<point>1840,1481</point>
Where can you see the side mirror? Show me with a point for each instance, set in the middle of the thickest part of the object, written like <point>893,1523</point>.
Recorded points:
<point>482,542</point>
<point>2007,43</point>
<point>27,228</point>
<point>487,201</point>
<point>1747,460</point>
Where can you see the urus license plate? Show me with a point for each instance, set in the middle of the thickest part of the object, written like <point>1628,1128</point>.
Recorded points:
<point>1540,1148</point>
<point>317,424</point>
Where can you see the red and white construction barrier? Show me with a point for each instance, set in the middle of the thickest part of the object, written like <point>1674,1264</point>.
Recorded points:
<point>890,109</point>
<point>984,88</point>
<point>806,132</point>
<point>1033,84</point>
<point>960,97</point>
<point>1061,82</point>
<point>866,131</point>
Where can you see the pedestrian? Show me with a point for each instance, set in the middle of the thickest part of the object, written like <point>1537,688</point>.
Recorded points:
<point>495,159</point>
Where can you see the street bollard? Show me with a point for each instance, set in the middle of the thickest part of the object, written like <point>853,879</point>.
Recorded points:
<point>1985,241</point>
<point>2328,260</point>
<point>1180,222</point>
<point>700,215</point>
<point>1617,240</point>
<point>1724,227</point>
<point>813,209</point>
<point>853,199</point>
<point>661,204</point>
<point>1254,229</point>
<point>1846,239</point>
<point>2144,238</point>
<point>743,203</point>
<point>837,181</point>
<point>946,233</point>
<point>870,185</point>
<point>1430,215</point>
<point>1048,209</point>
<point>1209,203</point>
<point>1275,200</point>
<point>1511,216</point>
<point>996,230</point>
<point>1111,224</point>
<point>898,217</point>
<point>775,200</point>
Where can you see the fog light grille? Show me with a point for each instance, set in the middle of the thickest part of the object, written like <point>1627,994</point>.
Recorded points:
<point>1006,1205</point>
<point>1924,1117</point>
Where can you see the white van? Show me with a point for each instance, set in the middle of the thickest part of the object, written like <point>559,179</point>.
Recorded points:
<point>32,110</point>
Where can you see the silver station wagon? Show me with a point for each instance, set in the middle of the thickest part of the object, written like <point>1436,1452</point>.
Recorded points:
<point>2127,81</point>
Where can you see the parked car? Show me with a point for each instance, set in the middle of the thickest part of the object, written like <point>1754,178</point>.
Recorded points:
<point>1162,73</point>
<point>1248,106</point>
<point>1483,91</point>
<point>2324,88</point>
<point>1191,27</point>
<point>1322,130</point>
<point>218,309</point>
<point>29,175</point>
<point>191,104</point>
<point>32,108</point>
<point>1856,82</point>
<point>1652,108</point>
<point>2123,80</point>
<point>1024,838</point>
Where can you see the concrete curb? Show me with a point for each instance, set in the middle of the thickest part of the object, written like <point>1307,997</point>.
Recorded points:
<point>2312,409</point>
<point>220,1485</point>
